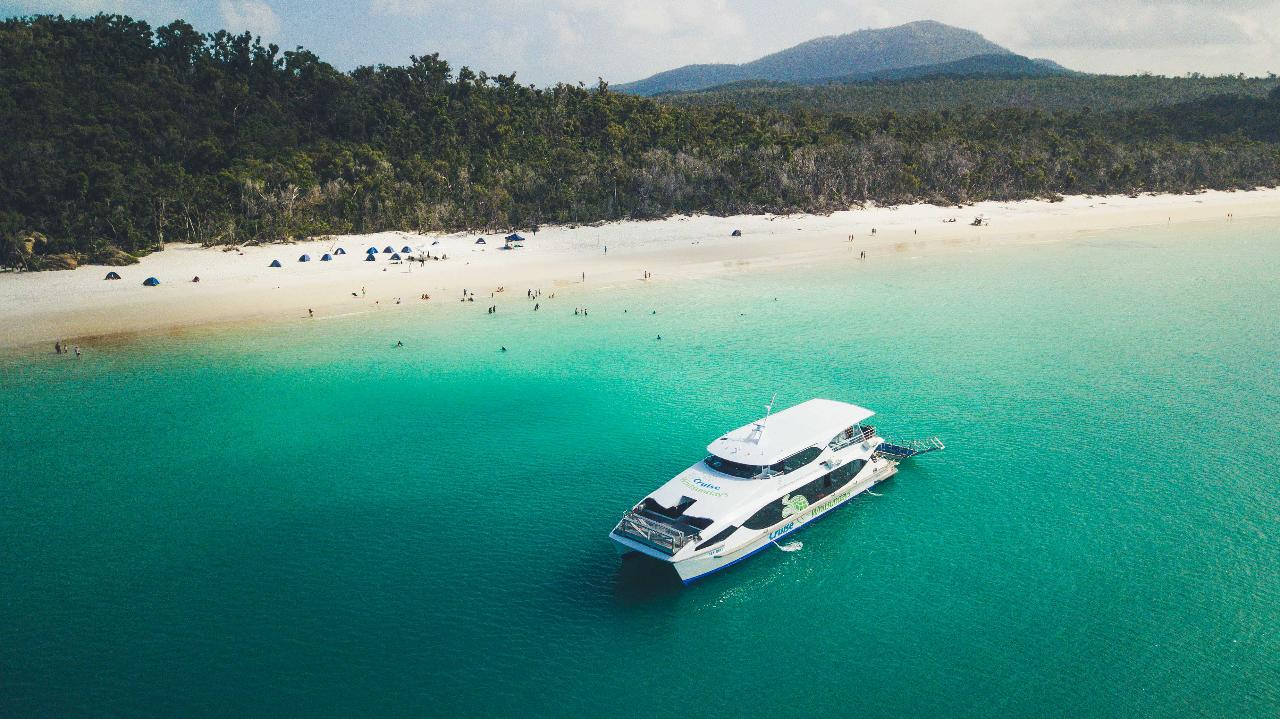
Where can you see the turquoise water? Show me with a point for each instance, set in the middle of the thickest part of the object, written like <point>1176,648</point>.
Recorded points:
<point>300,520</point>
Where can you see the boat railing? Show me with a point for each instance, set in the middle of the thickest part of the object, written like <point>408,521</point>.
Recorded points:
<point>860,433</point>
<point>909,448</point>
<point>659,535</point>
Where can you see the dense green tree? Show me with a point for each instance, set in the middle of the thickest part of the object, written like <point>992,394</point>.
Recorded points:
<point>116,136</point>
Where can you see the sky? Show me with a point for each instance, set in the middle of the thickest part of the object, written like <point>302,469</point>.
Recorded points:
<point>549,41</point>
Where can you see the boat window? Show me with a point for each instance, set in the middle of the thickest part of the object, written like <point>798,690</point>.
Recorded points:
<point>813,492</point>
<point>769,515</point>
<point>798,460</point>
<point>720,537</point>
<point>733,469</point>
<point>748,471</point>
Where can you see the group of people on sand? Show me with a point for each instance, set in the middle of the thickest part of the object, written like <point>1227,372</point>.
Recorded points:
<point>580,311</point>
<point>61,349</point>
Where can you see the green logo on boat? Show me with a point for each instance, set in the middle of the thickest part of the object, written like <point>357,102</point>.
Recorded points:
<point>794,505</point>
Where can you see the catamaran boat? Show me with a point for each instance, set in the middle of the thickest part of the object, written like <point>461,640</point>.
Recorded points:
<point>760,483</point>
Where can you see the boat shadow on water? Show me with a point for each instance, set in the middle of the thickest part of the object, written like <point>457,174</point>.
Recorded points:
<point>640,580</point>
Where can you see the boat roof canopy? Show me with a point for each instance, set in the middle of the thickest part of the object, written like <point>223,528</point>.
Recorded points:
<point>782,434</point>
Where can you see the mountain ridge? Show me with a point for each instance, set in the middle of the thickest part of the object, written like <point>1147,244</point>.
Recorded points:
<point>866,53</point>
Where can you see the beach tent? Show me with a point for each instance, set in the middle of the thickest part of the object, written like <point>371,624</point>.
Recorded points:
<point>305,258</point>
<point>112,275</point>
<point>388,248</point>
<point>274,263</point>
<point>339,251</point>
<point>371,251</point>
<point>150,282</point>
<point>406,248</point>
<point>736,233</point>
<point>513,237</point>
<point>479,240</point>
<point>370,257</point>
<point>326,257</point>
<point>395,256</point>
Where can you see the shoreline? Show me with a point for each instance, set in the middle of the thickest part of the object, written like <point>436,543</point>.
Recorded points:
<point>80,307</point>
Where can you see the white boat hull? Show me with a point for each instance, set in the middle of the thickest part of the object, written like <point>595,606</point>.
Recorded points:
<point>700,565</point>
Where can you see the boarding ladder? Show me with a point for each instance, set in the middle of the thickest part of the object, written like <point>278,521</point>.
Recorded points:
<point>909,448</point>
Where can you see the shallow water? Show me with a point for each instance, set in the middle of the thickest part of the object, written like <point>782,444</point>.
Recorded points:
<point>303,520</point>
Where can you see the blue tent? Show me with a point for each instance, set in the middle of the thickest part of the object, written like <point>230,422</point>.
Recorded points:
<point>388,248</point>
<point>395,256</point>
<point>480,241</point>
<point>305,258</point>
<point>406,248</point>
<point>151,282</point>
<point>371,251</point>
<point>370,257</point>
<point>274,263</point>
<point>326,257</point>
<point>339,251</point>
<point>513,237</point>
<point>112,275</point>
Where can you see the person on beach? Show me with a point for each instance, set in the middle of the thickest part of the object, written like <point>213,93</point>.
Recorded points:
<point>311,313</point>
<point>584,277</point>
<point>77,351</point>
<point>57,348</point>
<point>535,306</point>
<point>362,292</point>
<point>606,249</point>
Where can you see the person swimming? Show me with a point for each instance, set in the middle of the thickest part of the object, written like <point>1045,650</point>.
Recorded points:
<point>399,343</point>
<point>504,349</point>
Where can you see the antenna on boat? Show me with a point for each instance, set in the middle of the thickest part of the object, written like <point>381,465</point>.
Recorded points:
<point>768,410</point>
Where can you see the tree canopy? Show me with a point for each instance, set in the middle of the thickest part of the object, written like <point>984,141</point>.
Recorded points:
<point>121,137</point>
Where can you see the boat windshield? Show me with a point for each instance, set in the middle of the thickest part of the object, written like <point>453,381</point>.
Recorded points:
<point>733,469</point>
<point>751,471</point>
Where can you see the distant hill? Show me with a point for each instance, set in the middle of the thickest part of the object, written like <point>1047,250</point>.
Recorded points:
<point>863,53</point>
<point>996,65</point>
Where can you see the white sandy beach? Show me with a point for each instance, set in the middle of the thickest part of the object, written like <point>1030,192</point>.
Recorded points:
<point>79,305</point>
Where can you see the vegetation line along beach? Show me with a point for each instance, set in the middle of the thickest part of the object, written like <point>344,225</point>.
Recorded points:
<point>120,137</point>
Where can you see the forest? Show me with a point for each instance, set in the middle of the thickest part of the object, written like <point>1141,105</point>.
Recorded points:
<point>119,137</point>
<point>1052,93</point>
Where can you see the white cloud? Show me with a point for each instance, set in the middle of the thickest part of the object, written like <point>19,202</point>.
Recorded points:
<point>253,15</point>
<point>571,40</point>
